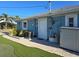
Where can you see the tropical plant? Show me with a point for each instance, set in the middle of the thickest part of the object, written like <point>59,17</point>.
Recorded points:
<point>9,21</point>
<point>6,19</point>
<point>17,17</point>
<point>13,32</point>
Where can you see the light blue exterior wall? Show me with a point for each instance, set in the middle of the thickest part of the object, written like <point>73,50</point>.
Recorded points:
<point>19,25</point>
<point>53,24</point>
<point>78,20</point>
<point>49,25</point>
<point>32,26</point>
<point>59,21</point>
<point>52,28</point>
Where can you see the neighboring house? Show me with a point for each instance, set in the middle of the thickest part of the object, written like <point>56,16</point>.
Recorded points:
<point>10,20</point>
<point>49,25</point>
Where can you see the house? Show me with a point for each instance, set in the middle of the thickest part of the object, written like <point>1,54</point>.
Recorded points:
<point>22,24</point>
<point>54,26</point>
<point>10,21</point>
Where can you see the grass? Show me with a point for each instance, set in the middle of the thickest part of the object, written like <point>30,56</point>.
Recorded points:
<point>20,50</point>
<point>6,50</point>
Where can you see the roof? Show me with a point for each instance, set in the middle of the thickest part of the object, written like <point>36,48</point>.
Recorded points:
<point>10,20</point>
<point>60,11</point>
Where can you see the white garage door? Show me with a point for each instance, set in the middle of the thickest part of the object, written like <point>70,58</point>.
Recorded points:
<point>42,28</point>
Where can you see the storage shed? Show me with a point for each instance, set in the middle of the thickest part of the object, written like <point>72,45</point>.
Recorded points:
<point>69,38</point>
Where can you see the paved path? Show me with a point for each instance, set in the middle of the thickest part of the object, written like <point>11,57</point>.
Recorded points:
<point>50,49</point>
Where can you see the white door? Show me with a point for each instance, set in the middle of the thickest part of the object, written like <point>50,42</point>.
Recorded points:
<point>42,28</point>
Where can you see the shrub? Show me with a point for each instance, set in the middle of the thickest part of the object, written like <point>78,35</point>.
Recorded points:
<point>14,31</point>
<point>25,33</point>
<point>18,32</point>
<point>21,33</point>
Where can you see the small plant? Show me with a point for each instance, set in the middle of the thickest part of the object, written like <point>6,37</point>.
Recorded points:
<point>14,31</point>
<point>18,32</point>
<point>22,33</point>
<point>53,36</point>
<point>25,33</point>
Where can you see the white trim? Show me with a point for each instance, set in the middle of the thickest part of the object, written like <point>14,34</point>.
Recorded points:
<point>76,28</point>
<point>68,16</point>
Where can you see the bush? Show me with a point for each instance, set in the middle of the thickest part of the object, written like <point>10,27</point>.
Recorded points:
<point>18,32</point>
<point>12,32</point>
<point>25,33</point>
<point>22,33</point>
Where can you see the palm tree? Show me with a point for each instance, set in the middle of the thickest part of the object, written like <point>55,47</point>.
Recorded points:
<point>6,19</point>
<point>17,17</point>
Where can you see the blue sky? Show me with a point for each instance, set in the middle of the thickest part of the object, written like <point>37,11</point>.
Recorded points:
<point>25,12</point>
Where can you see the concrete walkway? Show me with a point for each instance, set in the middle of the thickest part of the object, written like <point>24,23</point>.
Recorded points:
<point>50,49</point>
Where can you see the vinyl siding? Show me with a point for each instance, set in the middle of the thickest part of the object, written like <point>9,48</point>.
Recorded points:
<point>32,26</point>
<point>19,25</point>
<point>78,20</point>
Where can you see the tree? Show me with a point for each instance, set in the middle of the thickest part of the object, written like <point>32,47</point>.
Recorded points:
<point>17,17</point>
<point>6,19</point>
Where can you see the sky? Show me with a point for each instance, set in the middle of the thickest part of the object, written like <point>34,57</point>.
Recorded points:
<point>25,9</point>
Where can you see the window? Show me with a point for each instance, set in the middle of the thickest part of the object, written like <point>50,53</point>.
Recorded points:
<point>24,24</point>
<point>71,22</point>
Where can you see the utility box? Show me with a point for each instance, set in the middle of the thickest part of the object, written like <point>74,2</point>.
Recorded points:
<point>69,38</point>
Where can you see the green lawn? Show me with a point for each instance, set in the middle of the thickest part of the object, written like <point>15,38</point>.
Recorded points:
<point>10,48</point>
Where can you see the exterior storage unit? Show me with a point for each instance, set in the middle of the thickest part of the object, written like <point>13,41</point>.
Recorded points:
<point>69,38</point>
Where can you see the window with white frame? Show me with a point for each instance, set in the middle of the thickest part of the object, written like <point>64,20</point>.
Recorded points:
<point>71,20</point>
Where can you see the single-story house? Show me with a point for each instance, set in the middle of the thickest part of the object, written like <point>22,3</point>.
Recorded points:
<point>22,24</point>
<point>60,26</point>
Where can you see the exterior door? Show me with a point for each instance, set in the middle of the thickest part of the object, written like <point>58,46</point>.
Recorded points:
<point>42,28</point>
